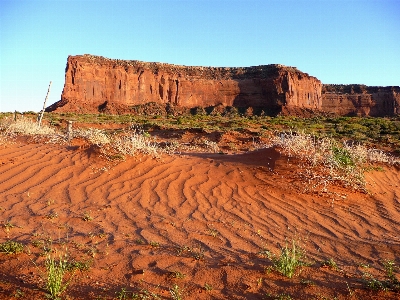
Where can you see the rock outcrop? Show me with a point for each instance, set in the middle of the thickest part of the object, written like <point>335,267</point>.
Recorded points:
<point>96,84</point>
<point>361,100</point>
<point>93,83</point>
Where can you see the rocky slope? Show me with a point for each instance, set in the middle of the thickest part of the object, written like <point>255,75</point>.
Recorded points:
<point>97,84</point>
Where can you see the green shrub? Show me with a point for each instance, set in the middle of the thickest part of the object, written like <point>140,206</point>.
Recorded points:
<point>342,157</point>
<point>11,247</point>
<point>289,260</point>
<point>56,272</point>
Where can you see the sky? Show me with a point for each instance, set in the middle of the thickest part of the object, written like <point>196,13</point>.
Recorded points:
<point>339,42</point>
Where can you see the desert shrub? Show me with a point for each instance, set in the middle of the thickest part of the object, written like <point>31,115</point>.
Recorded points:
<point>25,126</point>
<point>341,157</point>
<point>11,247</point>
<point>289,260</point>
<point>334,161</point>
<point>3,138</point>
<point>56,282</point>
<point>94,136</point>
<point>136,141</point>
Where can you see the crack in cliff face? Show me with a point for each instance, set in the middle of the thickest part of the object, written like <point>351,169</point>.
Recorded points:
<point>177,92</point>
<point>92,80</point>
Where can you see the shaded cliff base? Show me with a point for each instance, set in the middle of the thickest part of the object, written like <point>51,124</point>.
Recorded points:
<point>157,109</point>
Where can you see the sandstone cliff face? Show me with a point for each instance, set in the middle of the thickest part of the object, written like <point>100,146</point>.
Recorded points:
<point>361,100</point>
<point>92,82</point>
<point>97,84</point>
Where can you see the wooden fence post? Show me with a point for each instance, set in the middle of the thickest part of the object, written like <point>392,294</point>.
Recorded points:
<point>44,105</point>
<point>69,131</point>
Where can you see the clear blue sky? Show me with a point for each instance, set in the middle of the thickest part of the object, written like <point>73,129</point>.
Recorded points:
<point>352,41</point>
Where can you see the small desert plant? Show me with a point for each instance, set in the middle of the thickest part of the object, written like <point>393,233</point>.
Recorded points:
<point>265,253</point>
<point>94,136</point>
<point>307,282</point>
<point>8,226</point>
<point>331,264</point>
<point>154,244</point>
<point>141,295</point>
<point>197,252</point>
<point>208,287</point>
<point>213,232</point>
<point>283,297</point>
<point>19,294</point>
<point>176,292</point>
<point>87,217</point>
<point>79,265</point>
<point>373,283</point>
<point>123,294</point>
<point>52,215</point>
<point>135,142</point>
<point>333,161</point>
<point>177,275</point>
<point>11,247</point>
<point>342,157</point>
<point>56,272</point>
<point>213,146</point>
<point>389,266</point>
<point>288,260</point>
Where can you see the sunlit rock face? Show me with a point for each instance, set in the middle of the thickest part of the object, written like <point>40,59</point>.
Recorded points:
<point>97,84</point>
<point>93,81</point>
<point>361,100</point>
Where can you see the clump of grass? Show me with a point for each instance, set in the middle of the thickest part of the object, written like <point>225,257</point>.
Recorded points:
<point>154,244</point>
<point>213,146</point>
<point>11,247</point>
<point>198,253</point>
<point>288,260</point>
<point>136,141</point>
<point>93,135</point>
<point>331,264</point>
<point>177,274</point>
<point>3,138</point>
<point>208,287</point>
<point>87,217</point>
<point>56,273</point>
<point>52,215</point>
<point>264,252</point>
<point>176,292</point>
<point>389,266</point>
<point>212,231</point>
<point>331,160</point>
<point>8,226</point>
<point>142,294</point>
<point>79,265</point>
<point>374,284</point>
<point>26,126</point>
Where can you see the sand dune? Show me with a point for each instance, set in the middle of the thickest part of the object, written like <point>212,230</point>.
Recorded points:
<point>151,217</point>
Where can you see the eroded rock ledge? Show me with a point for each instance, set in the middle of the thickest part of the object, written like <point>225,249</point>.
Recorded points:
<point>95,83</point>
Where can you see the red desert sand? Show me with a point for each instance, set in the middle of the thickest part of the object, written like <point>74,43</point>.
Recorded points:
<point>202,223</point>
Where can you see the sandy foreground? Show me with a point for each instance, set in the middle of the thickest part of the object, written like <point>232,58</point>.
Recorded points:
<point>203,222</point>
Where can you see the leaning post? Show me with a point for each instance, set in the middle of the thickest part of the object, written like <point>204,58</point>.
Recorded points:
<point>44,106</point>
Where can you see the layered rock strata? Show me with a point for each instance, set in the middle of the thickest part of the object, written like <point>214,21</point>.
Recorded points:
<point>361,100</point>
<point>96,84</point>
<point>93,82</point>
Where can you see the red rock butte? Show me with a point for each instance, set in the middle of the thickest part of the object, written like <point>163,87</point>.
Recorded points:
<point>93,83</point>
